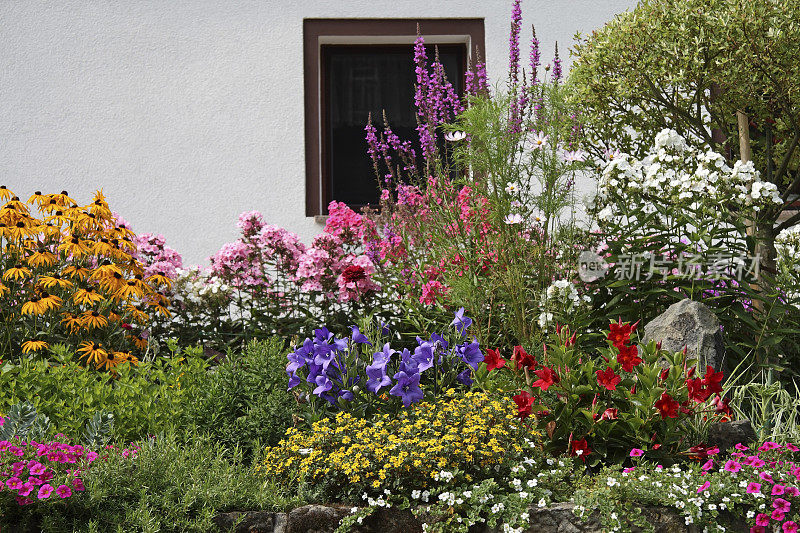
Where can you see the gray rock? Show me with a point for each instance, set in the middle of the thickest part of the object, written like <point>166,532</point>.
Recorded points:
<point>692,325</point>
<point>726,435</point>
<point>315,519</point>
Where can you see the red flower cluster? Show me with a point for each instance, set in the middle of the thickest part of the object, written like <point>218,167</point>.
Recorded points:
<point>700,389</point>
<point>524,403</point>
<point>493,360</point>
<point>523,358</point>
<point>608,379</point>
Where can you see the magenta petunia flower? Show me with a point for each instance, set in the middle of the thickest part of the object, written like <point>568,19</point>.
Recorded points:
<point>733,466</point>
<point>754,461</point>
<point>781,505</point>
<point>741,447</point>
<point>793,491</point>
<point>26,488</point>
<point>13,483</point>
<point>789,527</point>
<point>769,445</point>
<point>762,519</point>
<point>45,491</point>
<point>778,515</point>
<point>708,465</point>
<point>792,448</point>
<point>636,452</point>
<point>753,488</point>
<point>766,477</point>
<point>777,490</point>
<point>78,484</point>
<point>703,487</point>
<point>63,491</point>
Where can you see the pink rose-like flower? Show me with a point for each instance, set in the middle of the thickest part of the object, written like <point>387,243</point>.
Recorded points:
<point>703,487</point>
<point>44,492</point>
<point>63,491</point>
<point>732,466</point>
<point>753,488</point>
<point>636,452</point>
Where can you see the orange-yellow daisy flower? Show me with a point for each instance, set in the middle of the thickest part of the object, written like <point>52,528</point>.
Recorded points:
<point>34,346</point>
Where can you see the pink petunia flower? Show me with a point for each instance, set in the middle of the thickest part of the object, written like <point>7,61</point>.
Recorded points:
<point>789,527</point>
<point>703,487</point>
<point>25,489</point>
<point>636,452</point>
<point>762,519</point>
<point>777,490</point>
<point>741,447</point>
<point>753,488</point>
<point>708,465</point>
<point>63,491</point>
<point>781,505</point>
<point>733,466</point>
<point>793,491</point>
<point>78,484</point>
<point>769,445</point>
<point>13,483</point>
<point>754,461</point>
<point>766,477</point>
<point>45,491</point>
<point>778,515</point>
<point>792,448</point>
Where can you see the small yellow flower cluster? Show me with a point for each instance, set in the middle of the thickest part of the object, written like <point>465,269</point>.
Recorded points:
<point>465,432</point>
<point>71,275</point>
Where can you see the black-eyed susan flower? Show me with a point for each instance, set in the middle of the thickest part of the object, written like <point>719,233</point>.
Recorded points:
<point>111,361</point>
<point>22,229</point>
<point>35,306</point>
<point>17,273</point>
<point>38,198</point>
<point>137,315</point>
<point>34,346</point>
<point>132,287</point>
<point>41,258</point>
<point>138,341</point>
<point>51,301</point>
<point>58,218</point>
<point>93,319</point>
<point>72,322</point>
<point>110,283</point>
<point>77,271</point>
<point>3,290</point>
<point>160,278</point>
<point>93,352</point>
<point>54,280</point>
<point>75,246</point>
<point>5,193</point>
<point>87,296</point>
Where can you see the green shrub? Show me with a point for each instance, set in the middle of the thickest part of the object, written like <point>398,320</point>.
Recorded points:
<point>173,483</point>
<point>243,402</point>
<point>146,399</point>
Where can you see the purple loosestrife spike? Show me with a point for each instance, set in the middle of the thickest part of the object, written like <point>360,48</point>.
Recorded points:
<point>556,66</point>
<point>535,57</point>
<point>513,44</point>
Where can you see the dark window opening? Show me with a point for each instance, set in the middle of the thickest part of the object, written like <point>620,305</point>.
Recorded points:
<point>363,80</point>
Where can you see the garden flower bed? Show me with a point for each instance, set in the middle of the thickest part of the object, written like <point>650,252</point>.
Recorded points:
<point>474,355</point>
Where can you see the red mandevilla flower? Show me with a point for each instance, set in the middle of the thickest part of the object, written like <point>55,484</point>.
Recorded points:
<point>619,334</point>
<point>610,414</point>
<point>696,390</point>
<point>524,403</point>
<point>667,406</point>
<point>628,357</point>
<point>493,360</point>
<point>546,378</point>
<point>713,380</point>
<point>579,448</point>
<point>608,379</point>
<point>522,358</point>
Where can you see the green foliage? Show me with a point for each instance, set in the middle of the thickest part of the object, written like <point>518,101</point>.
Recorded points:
<point>174,484</point>
<point>144,399</point>
<point>772,407</point>
<point>243,402</point>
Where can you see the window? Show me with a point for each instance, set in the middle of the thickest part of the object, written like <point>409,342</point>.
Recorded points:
<point>357,67</point>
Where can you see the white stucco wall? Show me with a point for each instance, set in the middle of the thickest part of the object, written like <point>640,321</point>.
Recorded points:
<point>188,112</point>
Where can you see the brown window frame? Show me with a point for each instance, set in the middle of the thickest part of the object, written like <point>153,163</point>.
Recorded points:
<point>320,32</point>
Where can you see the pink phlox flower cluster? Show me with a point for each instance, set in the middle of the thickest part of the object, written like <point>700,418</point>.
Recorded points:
<point>344,223</point>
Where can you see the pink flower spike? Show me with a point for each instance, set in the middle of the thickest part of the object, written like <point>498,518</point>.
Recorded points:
<point>636,452</point>
<point>741,447</point>
<point>703,487</point>
<point>63,491</point>
<point>789,527</point>
<point>753,488</point>
<point>733,466</point>
<point>44,492</point>
<point>777,490</point>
